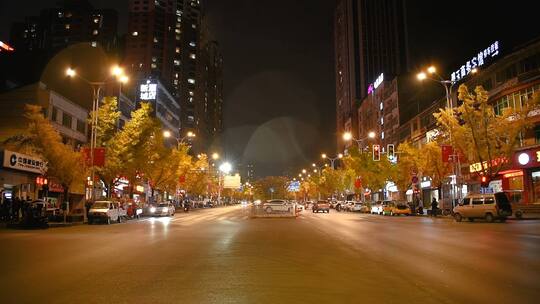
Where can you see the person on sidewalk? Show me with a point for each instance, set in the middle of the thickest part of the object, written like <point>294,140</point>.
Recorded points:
<point>434,207</point>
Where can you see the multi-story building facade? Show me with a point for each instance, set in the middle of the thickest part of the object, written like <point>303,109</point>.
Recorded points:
<point>70,22</point>
<point>370,39</point>
<point>18,178</point>
<point>379,113</point>
<point>511,80</point>
<point>169,42</point>
<point>209,91</point>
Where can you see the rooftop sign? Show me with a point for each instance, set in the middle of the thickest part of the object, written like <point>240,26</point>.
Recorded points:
<point>477,61</point>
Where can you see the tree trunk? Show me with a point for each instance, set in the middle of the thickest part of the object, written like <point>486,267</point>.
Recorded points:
<point>66,201</point>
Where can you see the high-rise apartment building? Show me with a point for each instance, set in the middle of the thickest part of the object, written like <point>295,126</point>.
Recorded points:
<point>168,41</point>
<point>370,40</point>
<point>69,22</point>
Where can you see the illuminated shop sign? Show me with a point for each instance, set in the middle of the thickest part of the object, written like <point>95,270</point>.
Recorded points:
<point>477,61</point>
<point>23,162</point>
<point>372,87</point>
<point>148,91</point>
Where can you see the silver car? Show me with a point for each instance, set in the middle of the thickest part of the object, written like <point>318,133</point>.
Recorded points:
<point>276,205</point>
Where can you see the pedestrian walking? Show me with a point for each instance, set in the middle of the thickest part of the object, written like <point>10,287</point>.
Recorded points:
<point>434,207</point>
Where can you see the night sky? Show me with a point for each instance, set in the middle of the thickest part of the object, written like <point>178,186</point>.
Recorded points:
<point>279,75</point>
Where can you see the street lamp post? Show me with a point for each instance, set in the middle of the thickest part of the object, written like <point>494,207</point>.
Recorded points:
<point>179,141</point>
<point>226,168</point>
<point>96,86</point>
<point>332,159</point>
<point>448,87</point>
<point>318,169</point>
<point>347,136</point>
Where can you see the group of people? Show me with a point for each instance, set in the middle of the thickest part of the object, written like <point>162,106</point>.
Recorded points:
<point>15,209</point>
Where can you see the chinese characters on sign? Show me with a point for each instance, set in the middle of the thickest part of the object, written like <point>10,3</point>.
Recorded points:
<point>477,61</point>
<point>372,87</point>
<point>148,91</point>
<point>23,162</point>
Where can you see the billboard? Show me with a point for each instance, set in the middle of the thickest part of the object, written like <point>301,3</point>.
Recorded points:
<point>294,186</point>
<point>231,182</point>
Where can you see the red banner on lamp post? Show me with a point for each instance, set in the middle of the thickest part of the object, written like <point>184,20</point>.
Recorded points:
<point>358,183</point>
<point>447,153</point>
<point>99,156</point>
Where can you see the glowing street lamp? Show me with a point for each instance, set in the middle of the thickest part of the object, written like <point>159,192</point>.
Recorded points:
<point>71,72</point>
<point>332,159</point>
<point>226,168</point>
<point>215,156</point>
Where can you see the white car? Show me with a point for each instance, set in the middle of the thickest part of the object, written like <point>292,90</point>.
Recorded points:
<point>106,211</point>
<point>162,209</point>
<point>376,208</point>
<point>276,205</point>
<point>356,207</point>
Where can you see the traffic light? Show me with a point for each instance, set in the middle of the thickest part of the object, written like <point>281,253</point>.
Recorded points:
<point>484,182</point>
<point>376,152</point>
<point>391,152</point>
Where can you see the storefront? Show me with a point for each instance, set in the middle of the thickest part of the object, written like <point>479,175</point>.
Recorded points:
<point>520,177</point>
<point>523,180</point>
<point>18,175</point>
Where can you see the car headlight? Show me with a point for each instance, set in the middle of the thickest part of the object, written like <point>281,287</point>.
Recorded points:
<point>152,209</point>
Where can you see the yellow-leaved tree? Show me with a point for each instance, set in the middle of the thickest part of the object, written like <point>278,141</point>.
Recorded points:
<point>483,136</point>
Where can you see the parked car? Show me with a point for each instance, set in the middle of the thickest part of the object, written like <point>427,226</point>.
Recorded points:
<point>323,206</point>
<point>388,207</point>
<point>401,208</point>
<point>276,205</point>
<point>377,207</point>
<point>106,211</point>
<point>484,206</point>
<point>356,207</point>
<point>162,209</point>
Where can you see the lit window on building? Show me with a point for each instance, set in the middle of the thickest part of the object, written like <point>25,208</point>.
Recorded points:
<point>192,56</point>
<point>194,26</point>
<point>154,59</point>
<point>177,50</point>
<point>95,32</point>
<point>96,20</point>
<point>178,37</point>
<point>176,62</point>
<point>382,120</point>
<point>153,66</point>
<point>60,14</point>
<point>67,26</point>
<point>135,34</point>
<point>155,40</point>
<point>178,31</point>
<point>94,44</point>
<point>381,106</point>
<point>382,135</point>
<point>191,80</point>
<point>191,93</point>
<point>192,44</point>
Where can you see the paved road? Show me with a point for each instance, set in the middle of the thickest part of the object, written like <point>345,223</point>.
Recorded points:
<point>222,256</point>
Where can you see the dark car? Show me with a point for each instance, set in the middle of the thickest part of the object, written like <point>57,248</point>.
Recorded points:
<point>323,206</point>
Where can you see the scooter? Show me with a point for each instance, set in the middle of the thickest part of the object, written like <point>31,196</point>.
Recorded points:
<point>186,208</point>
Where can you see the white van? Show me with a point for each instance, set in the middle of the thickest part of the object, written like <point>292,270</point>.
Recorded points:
<point>105,211</point>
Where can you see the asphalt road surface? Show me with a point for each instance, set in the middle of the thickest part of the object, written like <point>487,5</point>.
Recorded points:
<point>222,256</point>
